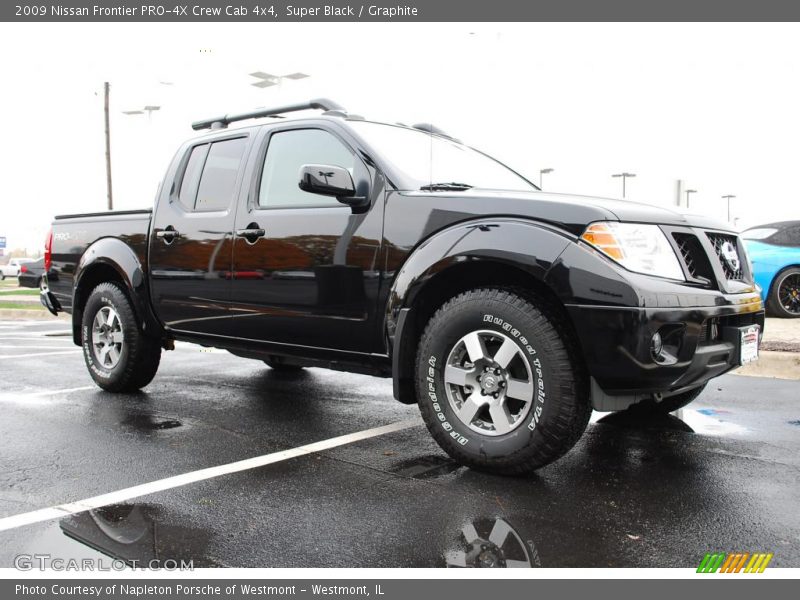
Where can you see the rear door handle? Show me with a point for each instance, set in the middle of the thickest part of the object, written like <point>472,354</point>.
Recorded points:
<point>251,233</point>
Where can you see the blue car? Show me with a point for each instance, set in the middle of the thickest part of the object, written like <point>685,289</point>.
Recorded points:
<point>774,250</point>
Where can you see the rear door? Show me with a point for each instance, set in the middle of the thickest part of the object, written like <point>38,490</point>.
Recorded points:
<point>192,232</point>
<point>306,267</point>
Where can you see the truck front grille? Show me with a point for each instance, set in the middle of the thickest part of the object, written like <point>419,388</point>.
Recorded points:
<point>726,248</point>
<point>694,257</point>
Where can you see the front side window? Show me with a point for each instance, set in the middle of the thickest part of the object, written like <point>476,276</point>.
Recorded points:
<point>286,153</point>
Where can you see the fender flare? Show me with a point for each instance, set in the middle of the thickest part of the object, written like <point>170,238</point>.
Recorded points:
<point>116,254</point>
<point>531,246</point>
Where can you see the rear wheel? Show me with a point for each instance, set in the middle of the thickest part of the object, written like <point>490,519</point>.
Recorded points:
<point>120,358</point>
<point>499,382</point>
<point>784,296</point>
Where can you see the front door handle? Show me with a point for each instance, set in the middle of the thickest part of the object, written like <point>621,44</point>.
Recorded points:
<point>169,234</point>
<point>251,233</point>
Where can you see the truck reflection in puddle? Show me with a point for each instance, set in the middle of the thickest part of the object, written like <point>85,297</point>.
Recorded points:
<point>139,535</point>
<point>488,543</point>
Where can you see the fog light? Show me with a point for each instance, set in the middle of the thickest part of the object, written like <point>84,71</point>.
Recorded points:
<point>656,345</point>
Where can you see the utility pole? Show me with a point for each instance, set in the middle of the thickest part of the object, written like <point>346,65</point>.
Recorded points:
<point>624,176</point>
<point>106,90</point>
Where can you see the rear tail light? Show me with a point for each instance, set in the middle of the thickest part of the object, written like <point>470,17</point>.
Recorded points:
<point>23,269</point>
<point>48,251</point>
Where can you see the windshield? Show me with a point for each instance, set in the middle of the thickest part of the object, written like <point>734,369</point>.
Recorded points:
<point>433,162</point>
<point>759,233</point>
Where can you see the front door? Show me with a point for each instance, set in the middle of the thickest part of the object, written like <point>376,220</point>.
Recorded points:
<point>191,239</point>
<point>306,266</point>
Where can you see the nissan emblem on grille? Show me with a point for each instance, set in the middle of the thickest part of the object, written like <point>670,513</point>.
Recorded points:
<point>731,257</point>
<point>728,254</point>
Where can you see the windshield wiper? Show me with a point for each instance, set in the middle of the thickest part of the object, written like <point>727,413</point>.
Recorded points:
<point>448,186</point>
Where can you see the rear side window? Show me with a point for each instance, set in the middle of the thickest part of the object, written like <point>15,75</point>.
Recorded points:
<point>209,180</point>
<point>191,176</point>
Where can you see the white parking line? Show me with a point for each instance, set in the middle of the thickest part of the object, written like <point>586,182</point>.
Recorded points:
<point>160,485</point>
<point>10,356</point>
<point>36,334</point>
<point>28,347</point>
<point>29,398</point>
<point>65,391</point>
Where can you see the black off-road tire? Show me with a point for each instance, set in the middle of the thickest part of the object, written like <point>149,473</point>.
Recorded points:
<point>139,355</point>
<point>668,404</point>
<point>774,305</point>
<point>559,409</point>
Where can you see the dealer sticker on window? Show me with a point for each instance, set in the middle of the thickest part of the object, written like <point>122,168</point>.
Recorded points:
<point>748,347</point>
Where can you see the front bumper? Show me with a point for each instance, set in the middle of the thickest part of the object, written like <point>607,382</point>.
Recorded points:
<point>617,341</point>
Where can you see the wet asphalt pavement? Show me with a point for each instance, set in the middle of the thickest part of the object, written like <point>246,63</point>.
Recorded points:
<point>721,475</point>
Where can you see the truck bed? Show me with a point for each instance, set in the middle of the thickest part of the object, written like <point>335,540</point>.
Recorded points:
<point>73,234</point>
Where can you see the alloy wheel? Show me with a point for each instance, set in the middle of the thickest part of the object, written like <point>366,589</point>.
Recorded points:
<point>789,293</point>
<point>489,382</point>
<point>107,337</point>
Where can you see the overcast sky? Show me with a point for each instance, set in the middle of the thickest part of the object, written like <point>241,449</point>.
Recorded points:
<point>715,105</point>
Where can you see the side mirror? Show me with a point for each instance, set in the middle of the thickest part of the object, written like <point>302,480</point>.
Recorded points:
<point>329,180</point>
<point>326,180</point>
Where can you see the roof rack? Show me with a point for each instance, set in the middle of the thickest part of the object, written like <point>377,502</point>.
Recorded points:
<point>224,121</point>
<point>431,128</point>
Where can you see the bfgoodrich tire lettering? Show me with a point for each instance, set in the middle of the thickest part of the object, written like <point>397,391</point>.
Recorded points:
<point>119,357</point>
<point>524,345</point>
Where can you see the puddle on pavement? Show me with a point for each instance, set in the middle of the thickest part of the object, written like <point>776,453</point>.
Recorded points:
<point>634,420</point>
<point>426,467</point>
<point>147,422</point>
<point>704,421</point>
<point>139,535</point>
<point>491,543</point>
<point>706,424</point>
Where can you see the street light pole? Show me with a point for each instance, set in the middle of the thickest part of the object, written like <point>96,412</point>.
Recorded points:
<point>728,197</point>
<point>106,93</point>
<point>687,196</point>
<point>624,176</point>
<point>543,172</point>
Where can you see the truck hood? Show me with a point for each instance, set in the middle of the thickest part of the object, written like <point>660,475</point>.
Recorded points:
<point>573,212</point>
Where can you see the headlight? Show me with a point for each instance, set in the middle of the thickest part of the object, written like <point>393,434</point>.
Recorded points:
<point>639,248</point>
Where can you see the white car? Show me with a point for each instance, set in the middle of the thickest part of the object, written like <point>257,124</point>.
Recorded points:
<point>13,266</point>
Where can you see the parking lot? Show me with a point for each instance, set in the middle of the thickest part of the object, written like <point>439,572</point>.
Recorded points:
<point>721,475</point>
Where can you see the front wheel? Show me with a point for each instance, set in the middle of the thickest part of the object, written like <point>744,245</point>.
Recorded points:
<point>499,381</point>
<point>120,358</point>
<point>784,295</point>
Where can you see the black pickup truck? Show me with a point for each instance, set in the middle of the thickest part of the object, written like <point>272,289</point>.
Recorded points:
<point>505,312</point>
